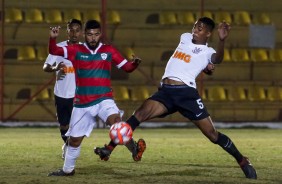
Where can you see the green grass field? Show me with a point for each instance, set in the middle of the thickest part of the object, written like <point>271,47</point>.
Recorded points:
<point>172,156</point>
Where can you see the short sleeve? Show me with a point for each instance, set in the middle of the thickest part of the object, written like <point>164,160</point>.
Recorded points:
<point>210,52</point>
<point>186,38</point>
<point>51,59</point>
<point>70,52</point>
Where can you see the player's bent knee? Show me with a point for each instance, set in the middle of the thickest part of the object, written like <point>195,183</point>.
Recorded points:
<point>114,118</point>
<point>213,136</point>
<point>75,141</point>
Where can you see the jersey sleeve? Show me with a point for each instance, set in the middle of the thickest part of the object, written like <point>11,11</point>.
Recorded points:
<point>54,49</point>
<point>70,52</point>
<point>186,38</point>
<point>51,59</point>
<point>117,58</point>
<point>210,52</point>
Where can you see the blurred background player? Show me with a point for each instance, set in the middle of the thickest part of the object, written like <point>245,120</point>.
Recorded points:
<point>92,62</point>
<point>178,89</point>
<point>64,88</point>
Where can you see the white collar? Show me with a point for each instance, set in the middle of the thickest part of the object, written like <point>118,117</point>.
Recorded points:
<point>95,51</point>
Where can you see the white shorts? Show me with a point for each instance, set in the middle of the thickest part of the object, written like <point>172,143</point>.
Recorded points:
<point>83,120</point>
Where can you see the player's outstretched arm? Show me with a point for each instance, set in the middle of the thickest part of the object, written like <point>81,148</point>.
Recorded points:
<point>53,48</point>
<point>223,32</point>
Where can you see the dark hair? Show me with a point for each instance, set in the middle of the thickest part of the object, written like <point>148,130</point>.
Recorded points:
<point>74,21</point>
<point>92,24</point>
<point>208,22</point>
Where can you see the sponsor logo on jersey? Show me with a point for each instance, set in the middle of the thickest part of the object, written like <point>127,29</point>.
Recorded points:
<point>84,56</point>
<point>104,56</point>
<point>182,56</point>
<point>196,50</point>
<point>68,70</point>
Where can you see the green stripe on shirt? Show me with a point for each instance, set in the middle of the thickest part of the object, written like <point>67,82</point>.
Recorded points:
<point>94,73</point>
<point>89,90</point>
<point>93,57</point>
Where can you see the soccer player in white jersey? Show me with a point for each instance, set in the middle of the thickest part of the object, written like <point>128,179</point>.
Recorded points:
<point>178,90</point>
<point>64,88</point>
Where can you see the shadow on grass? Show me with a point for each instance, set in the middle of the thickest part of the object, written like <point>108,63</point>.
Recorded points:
<point>119,169</point>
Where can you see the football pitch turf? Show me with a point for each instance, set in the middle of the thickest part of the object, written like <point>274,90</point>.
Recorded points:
<point>173,155</point>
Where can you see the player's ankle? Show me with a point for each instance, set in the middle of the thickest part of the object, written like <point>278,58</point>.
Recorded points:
<point>110,147</point>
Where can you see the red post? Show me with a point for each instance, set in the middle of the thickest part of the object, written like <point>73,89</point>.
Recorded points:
<point>2,61</point>
<point>104,20</point>
<point>50,81</point>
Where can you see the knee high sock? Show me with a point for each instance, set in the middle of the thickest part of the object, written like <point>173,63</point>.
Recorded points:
<point>71,155</point>
<point>226,143</point>
<point>63,132</point>
<point>134,123</point>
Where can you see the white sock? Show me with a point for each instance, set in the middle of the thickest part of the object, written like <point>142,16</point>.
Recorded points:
<point>71,155</point>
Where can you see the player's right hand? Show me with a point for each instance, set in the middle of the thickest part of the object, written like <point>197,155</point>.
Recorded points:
<point>60,66</point>
<point>54,31</point>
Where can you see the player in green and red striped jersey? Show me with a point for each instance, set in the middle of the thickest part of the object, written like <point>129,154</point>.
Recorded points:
<point>92,62</point>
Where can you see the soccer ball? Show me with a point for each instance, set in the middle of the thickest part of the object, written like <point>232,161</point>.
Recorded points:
<point>120,133</point>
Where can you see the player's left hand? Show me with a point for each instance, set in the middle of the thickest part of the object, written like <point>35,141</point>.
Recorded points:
<point>223,30</point>
<point>209,69</point>
<point>136,60</point>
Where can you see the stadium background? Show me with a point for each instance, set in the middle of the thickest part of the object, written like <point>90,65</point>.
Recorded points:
<point>245,88</point>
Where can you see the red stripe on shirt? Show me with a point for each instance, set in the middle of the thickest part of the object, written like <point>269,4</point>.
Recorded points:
<point>94,82</point>
<point>83,99</point>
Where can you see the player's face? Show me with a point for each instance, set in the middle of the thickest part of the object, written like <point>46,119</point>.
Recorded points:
<point>74,32</point>
<point>200,33</point>
<point>92,38</point>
